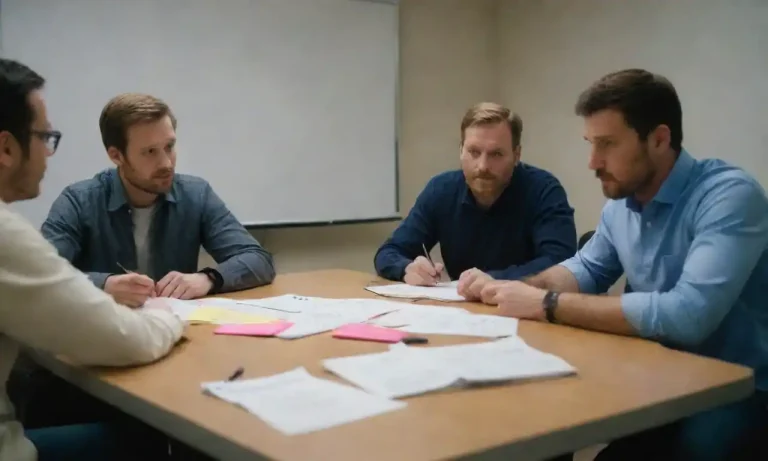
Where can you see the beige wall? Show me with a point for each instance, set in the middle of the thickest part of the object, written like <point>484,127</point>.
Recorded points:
<point>448,59</point>
<point>551,50</point>
<point>536,56</point>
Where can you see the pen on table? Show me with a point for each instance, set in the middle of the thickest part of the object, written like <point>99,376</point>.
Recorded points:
<point>238,373</point>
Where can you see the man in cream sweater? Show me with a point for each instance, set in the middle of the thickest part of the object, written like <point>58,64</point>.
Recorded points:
<point>45,303</point>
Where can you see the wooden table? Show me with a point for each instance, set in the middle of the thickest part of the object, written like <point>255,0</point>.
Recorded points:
<point>623,385</point>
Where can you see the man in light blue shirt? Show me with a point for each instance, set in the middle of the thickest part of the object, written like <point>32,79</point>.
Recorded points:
<point>691,236</point>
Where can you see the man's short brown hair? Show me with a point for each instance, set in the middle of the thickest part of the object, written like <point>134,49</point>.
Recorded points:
<point>646,100</point>
<point>128,109</point>
<point>490,113</point>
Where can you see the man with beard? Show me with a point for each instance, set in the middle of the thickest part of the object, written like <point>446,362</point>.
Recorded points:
<point>496,218</point>
<point>691,236</point>
<point>143,219</point>
<point>47,304</point>
<point>136,231</point>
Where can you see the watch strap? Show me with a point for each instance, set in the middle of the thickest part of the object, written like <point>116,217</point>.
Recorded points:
<point>215,277</point>
<point>550,305</point>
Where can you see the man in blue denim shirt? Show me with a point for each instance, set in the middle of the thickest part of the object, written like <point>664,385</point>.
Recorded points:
<point>144,218</point>
<point>691,236</point>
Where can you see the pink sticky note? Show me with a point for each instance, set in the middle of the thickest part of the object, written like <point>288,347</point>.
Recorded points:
<point>367,332</point>
<point>254,329</point>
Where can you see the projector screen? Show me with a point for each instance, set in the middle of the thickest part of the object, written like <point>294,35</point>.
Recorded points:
<point>287,107</point>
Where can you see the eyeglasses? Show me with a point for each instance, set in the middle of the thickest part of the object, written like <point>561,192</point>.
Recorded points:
<point>51,138</point>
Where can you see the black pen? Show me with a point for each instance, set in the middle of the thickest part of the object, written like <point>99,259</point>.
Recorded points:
<point>238,373</point>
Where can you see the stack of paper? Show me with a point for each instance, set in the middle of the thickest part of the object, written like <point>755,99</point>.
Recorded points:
<point>409,314</point>
<point>296,402</point>
<point>406,371</point>
<point>443,291</point>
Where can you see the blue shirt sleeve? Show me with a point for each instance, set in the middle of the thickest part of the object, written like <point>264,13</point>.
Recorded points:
<point>242,262</point>
<point>554,233</point>
<point>405,244</point>
<point>63,228</point>
<point>730,235</point>
<point>596,266</point>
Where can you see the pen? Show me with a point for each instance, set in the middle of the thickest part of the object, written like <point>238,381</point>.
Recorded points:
<point>238,373</point>
<point>429,258</point>
<point>124,269</point>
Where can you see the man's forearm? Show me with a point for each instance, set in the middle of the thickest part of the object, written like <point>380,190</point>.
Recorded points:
<point>247,270</point>
<point>600,313</point>
<point>556,278</point>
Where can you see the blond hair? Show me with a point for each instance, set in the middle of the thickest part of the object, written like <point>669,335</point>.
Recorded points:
<point>126,110</point>
<point>490,113</point>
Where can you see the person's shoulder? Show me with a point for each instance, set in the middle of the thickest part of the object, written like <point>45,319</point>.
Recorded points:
<point>19,236</point>
<point>190,181</point>
<point>718,181</point>
<point>538,178</point>
<point>92,187</point>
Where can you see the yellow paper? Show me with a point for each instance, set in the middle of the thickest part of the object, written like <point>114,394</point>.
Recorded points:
<point>218,315</point>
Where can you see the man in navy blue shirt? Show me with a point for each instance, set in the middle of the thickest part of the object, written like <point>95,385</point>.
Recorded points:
<point>496,218</point>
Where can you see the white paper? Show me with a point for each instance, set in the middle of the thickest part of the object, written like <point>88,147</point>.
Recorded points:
<point>443,291</point>
<point>416,314</point>
<point>486,326</point>
<point>325,314</point>
<point>405,371</point>
<point>296,402</point>
<point>392,374</point>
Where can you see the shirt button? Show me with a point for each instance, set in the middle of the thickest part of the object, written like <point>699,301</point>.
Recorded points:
<point>648,224</point>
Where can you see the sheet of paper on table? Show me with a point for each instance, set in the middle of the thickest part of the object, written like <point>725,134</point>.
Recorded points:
<point>443,291</point>
<point>482,325</point>
<point>407,371</point>
<point>296,402</point>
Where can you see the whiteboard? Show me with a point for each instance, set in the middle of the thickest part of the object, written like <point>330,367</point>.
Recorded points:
<point>287,107</point>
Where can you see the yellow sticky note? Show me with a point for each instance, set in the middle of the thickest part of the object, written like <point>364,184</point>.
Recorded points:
<point>208,314</point>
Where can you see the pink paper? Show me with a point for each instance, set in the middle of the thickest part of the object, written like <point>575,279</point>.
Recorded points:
<point>254,329</point>
<point>367,332</point>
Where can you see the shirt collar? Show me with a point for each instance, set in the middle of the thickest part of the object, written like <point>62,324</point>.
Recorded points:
<point>117,197</point>
<point>673,186</point>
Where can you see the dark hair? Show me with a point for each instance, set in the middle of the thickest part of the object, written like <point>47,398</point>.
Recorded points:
<point>487,113</point>
<point>645,99</point>
<point>128,109</point>
<point>17,81</point>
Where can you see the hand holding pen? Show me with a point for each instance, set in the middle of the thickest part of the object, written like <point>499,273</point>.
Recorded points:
<point>423,271</point>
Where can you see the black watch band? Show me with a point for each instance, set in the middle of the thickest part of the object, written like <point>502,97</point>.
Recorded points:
<point>217,281</point>
<point>550,305</point>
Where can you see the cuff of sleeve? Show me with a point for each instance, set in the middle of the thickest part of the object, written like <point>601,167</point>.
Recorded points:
<point>637,310</point>
<point>172,321</point>
<point>583,278</point>
<point>99,278</point>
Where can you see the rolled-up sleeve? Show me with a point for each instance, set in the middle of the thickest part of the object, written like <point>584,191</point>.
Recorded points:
<point>730,235</point>
<point>242,262</point>
<point>596,266</point>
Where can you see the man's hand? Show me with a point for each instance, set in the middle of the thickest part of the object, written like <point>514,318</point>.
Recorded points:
<point>131,290</point>
<point>184,286</point>
<point>421,272</point>
<point>516,299</point>
<point>471,283</point>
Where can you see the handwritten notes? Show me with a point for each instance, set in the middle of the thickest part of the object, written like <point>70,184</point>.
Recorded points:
<point>444,291</point>
<point>487,326</point>
<point>406,371</point>
<point>296,402</point>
